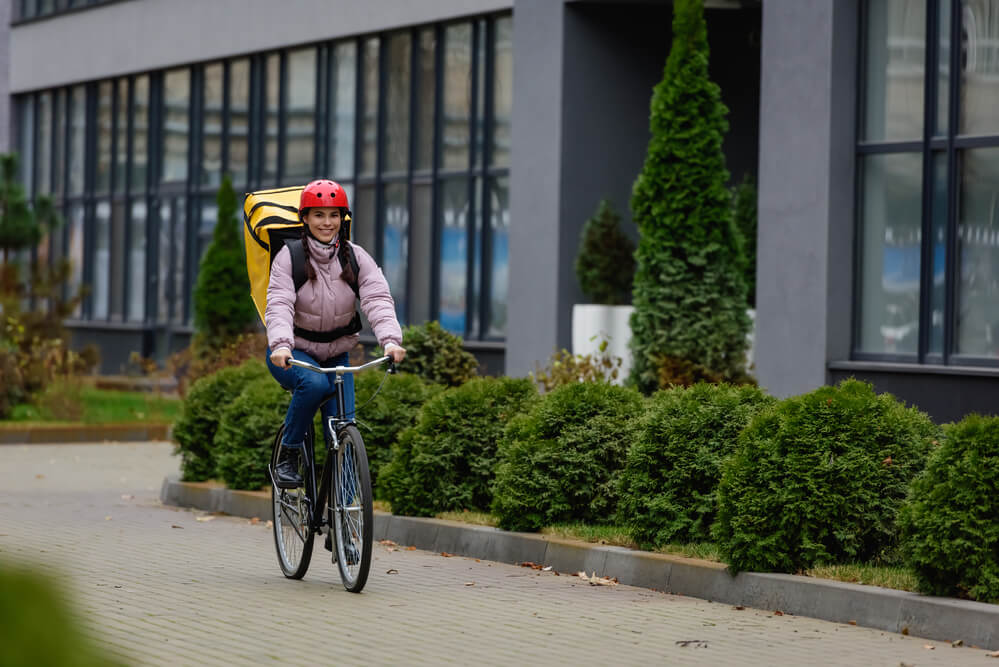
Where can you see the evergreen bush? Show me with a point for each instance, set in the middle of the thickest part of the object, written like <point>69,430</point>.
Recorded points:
<point>670,479</point>
<point>392,411</point>
<point>222,304</point>
<point>437,355</point>
<point>689,293</point>
<point>950,523</point>
<point>204,404</point>
<point>819,479</point>
<point>245,437</point>
<point>565,367</point>
<point>561,461</point>
<point>605,263</point>
<point>744,214</point>
<point>448,460</point>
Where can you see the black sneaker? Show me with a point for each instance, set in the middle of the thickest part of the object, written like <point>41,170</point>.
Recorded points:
<point>286,471</point>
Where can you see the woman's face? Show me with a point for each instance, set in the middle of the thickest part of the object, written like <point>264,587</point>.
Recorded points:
<point>323,222</point>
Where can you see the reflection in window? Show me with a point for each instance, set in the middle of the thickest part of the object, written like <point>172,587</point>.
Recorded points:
<point>499,230</point>
<point>211,165</point>
<point>121,136</point>
<point>362,227</point>
<point>369,129</point>
<point>59,143</point>
<point>171,285</point>
<point>301,129</point>
<point>397,103</point>
<point>136,297</point>
<point>980,72</point>
<point>101,263</point>
<point>117,266</point>
<point>239,120</point>
<point>272,109</point>
<point>342,122</point>
<point>395,257</point>
<point>26,139</point>
<point>209,218</point>
<point>140,134</point>
<point>102,175</point>
<point>74,252</point>
<point>890,253</point>
<point>176,96</point>
<point>480,94</point>
<point>978,254</point>
<point>455,135</point>
<point>421,250</point>
<point>893,87</point>
<point>424,122</point>
<point>77,139</point>
<point>938,294</point>
<point>43,158</point>
<point>454,255</point>
<point>502,92</point>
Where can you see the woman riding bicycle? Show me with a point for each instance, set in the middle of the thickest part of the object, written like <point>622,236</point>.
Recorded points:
<point>317,323</point>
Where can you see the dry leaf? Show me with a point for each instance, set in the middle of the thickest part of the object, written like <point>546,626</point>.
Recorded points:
<point>738,607</point>
<point>391,549</point>
<point>695,643</point>
<point>905,630</point>
<point>39,476</point>
<point>446,554</point>
<point>886,461</point>
<point>929,647</point>
<point>392,571</point>
<point>993,654</point>
<point>269,524</point>
<point>410,548</point>
<point>778,613</point>
<point>388,543</point>
<point>204,518</point>
<point>126,496</point>
<point>254,521</point>
<point>547,569</point>
<point>957,642</point>
<point>594,580</point>
<point>176,526</point>
<point>469,583</point>
<point>852,622</point>
<point>583,576</point>
<point>107,518</point>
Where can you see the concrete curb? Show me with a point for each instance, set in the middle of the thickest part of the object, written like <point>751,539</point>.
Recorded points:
<point>944,619</point>
<point>69,433</point>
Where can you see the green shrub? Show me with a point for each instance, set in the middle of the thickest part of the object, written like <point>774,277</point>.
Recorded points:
<point>561,461</point>
<point>744,214</point>
<point>669,483</point>
<point>245,437</point>
<point>564,367</point>
<point>208,397</point>
<point>950,524</point>
<point>436,355</point>
<point>605,263</point>
<point>393,410</point>
<point>448,460</point>
<point>689,293</point>
<point>818,479</point>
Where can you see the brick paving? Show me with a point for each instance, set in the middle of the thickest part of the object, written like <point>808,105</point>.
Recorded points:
<point>159,587</point>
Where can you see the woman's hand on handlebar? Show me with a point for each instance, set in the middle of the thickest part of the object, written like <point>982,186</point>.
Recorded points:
<point>397,352</point>
<point>280,357</point>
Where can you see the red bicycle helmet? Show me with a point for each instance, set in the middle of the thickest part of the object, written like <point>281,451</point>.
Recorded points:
<point>323,193</point>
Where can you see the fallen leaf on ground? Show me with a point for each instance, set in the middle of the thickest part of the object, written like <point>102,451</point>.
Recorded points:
<point>905,630</point>
<point>547,569</point>
<point>107,518</point>
<point>993,654</point>
<point>533,566</point>
<point>778,613</point>
<point>738,607</point>
<point>254,521</point>
<point>410,548</point>
<point>852,622</point>
<point>957,642</point>
<point>446,554</point>
<point>388,543</point>
<point>127,496</point>
<point>469,583</point>
<point>583,576</point>
<point>887,461</point>
<point>929,647</point>
<point>392,571</point>
<point>205,518</point>
<point>39,476</point>
<point>176,526</point>
<point>269,524</point>
<point>695,643</point>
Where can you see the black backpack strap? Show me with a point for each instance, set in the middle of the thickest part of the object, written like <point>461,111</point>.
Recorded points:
<point>330,336</point>
<point>356,269</point>
<point>298,272</point>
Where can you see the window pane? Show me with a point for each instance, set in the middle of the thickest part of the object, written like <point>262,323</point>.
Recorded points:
<point>978,254</point>
<point>121,150</point>
<point>890,253</point>
<point>454,254</point>
<point>77,139</point>
<point>502,92</point>
<point>980,75</point>
<point>74,254</point>
<point>211,163</point>
<point>938,292</point>
<point>136,306</point>
<point>176,100</point>
<point>424,124</point>
<point>59,143</point>
<point>480,94</point>
<point>239,123</point>
<point>272,109</point>
<point>170,292</point>
<point>457,96</point>
<point>102,175</point>
<point>369,131</point>
<point>893,91</point>
<point>43,158</point>
<point>362,227</point>
<point>396,245</point>
<point>140,137</point>
<point>209,218</point>
<point>499,229</point>
<point>943,66</point>
<point>344,86</point>
<point>421,239</point>
<point>117,261</point>
<point>26,140</point>
<point>101,265</point>
<point>301,131</point>
<point>397,111</point>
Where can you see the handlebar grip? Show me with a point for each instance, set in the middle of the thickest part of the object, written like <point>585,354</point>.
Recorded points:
<point>392,370</point>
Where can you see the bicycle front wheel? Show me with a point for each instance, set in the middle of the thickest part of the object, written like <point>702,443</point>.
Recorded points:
<point>351,507</point>
<point>292,512</point>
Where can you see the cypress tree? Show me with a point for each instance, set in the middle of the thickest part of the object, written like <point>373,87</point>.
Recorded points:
<point>605,264</point>
<point>222,305</point>
<point>689,293</point>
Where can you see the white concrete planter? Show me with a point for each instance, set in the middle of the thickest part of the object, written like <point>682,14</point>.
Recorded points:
<point>592,324</point>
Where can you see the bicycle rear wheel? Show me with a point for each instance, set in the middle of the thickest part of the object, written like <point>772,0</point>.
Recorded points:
<point>292,513</point>
<point>351,509</point>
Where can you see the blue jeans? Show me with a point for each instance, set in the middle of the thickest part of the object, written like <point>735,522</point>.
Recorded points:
<point>308,389</point>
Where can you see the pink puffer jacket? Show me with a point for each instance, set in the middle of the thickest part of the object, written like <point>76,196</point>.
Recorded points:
<point>327,303</point>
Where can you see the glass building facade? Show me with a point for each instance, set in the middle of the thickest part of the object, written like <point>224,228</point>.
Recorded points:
<point>927,289</point>
<point>415,124</point>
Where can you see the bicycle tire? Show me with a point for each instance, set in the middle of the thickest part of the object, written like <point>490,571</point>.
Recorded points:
<point>350,506</point>
<point>291,515</point>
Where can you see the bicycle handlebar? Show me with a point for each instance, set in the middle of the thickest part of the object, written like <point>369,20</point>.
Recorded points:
<point>340,370</point>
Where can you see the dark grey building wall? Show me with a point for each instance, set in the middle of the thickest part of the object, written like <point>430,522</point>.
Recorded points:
<point>806,173</point>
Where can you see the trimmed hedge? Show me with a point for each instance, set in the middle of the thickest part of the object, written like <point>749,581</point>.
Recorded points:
<point>819,479</point>
<point>392,411</point>
<point>950,524</point>
<point>670,479</point>
<point>448,460</point>
<point>561,461</point>
<point>246,433</point>
<point>204,403</point>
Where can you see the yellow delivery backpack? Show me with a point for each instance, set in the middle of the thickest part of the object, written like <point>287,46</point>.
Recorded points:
<point>270,222</point>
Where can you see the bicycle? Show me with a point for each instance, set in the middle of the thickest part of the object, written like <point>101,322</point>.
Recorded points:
<point>343,504</point>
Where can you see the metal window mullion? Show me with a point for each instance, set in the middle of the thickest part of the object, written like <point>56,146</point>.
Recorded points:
<point>152,208</point>
<point>926,222</point>
<point>358,118</point>
<point>253,126</point>
<point>195,108</point>
<point>436,222</point>
<point>127,193</point>
<point>326,164</point>
<point>488,118</point>
<point>90,154</point>
<point>414,91</point>
<point>226,103</point>
<point>380,122</point>
<point>318,117</point>
<point>282,117</point>
<point>471,304</point>
<point>953,100</point>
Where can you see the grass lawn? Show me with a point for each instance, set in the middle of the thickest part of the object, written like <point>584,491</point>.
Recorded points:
<point>89,405</point>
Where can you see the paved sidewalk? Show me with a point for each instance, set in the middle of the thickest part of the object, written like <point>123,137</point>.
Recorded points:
<point>161,587</point>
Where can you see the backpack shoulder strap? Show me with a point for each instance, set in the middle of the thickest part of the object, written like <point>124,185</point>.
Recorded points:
<point>356,269</point>
<point>298,272</point>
